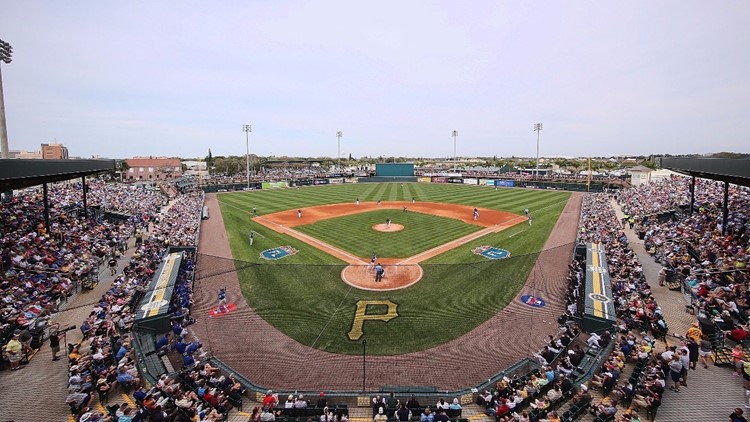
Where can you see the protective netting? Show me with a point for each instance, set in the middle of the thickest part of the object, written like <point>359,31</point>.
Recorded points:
<point>301,327</point>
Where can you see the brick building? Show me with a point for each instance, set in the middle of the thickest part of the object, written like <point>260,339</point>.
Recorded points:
<point>54,152</point>
<point>153,169</point>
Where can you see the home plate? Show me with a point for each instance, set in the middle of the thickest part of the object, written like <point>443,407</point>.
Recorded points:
<point>214,312</point>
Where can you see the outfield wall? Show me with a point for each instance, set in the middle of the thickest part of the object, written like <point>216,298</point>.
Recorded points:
<point>384,179</point>
<point>394,169</point>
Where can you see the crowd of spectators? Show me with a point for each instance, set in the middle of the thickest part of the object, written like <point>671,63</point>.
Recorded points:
<point>639,318</point>
<point>105,358</point>
<point>41,267</point>
<point>695,249</point>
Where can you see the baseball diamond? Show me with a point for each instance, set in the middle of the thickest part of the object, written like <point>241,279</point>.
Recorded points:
<point>310,309</point>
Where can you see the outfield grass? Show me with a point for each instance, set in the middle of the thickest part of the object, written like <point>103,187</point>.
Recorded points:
<point>354,233</point>
<point>310,303</point>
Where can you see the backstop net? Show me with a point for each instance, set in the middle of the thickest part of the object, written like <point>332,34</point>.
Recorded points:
<point>299,327</point>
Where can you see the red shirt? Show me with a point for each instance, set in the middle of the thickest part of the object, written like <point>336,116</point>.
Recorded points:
<point>269,401</point>
<point>738,333</point>
<point>502,409</point>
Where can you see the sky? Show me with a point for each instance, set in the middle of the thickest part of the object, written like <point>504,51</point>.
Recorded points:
<point>140,78</point>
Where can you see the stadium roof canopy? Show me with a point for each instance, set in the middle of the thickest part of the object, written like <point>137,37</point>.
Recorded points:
<point>732,170</point>
<point>19,174</point>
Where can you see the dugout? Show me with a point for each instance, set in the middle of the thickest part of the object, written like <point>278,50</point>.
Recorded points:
<point>599,309</point>
<point>153,309</point>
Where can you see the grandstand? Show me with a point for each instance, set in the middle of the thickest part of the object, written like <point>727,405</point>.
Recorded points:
<point>193,350</point>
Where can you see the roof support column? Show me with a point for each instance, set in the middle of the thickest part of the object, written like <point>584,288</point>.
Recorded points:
<point>692,195</point>
<point>85,191</point>
<point>46,207</point>
<point>725,217</point>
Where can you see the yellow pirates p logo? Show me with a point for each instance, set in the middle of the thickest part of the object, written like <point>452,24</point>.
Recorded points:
<point>360,316</point>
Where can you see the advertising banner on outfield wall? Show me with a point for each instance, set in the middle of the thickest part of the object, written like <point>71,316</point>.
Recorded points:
<point>470,181</point>
<point>506,183</point>
<point>320,182</point>
<point>487,182</point>
<point>424,179</point>
<point>439,179</point>
<point>455,180</point>
<point>272,185</point>
<point>336,181</point>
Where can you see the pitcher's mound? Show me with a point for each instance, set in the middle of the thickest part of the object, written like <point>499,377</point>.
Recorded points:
<point>383,228</point>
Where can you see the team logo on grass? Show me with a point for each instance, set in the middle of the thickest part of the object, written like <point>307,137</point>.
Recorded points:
<point>534,301</point>
<point>278,253</point>
<point>491,252</point>
<point>598,297</point>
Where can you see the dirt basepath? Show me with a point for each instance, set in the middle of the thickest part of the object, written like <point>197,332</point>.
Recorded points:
<point>399,274</point>
<point>273,360</point>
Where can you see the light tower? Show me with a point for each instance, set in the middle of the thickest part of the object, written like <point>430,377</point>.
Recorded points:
<point>454,134</point>
<point>6,56</point>
<point>247,129</point>
<point>537,128</point>
<point>339,134</point>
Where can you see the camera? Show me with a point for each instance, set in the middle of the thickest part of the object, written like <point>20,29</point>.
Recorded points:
<point>62,330</point>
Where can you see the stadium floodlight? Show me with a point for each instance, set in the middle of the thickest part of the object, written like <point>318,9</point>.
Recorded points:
<point>247,129</point>
<point>339,134</point>
<point>537,129</point>
<point>6,56</point>
<point>454,134</point>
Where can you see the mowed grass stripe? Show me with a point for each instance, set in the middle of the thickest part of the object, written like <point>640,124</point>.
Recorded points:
<point>421,232</point>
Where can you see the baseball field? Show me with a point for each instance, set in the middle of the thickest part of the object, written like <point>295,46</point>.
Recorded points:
<point>306,240</point>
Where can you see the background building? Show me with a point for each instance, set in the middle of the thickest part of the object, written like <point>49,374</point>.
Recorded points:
<point>153,169</point>
<point>25,155</point>
<point>54,152</point>
<point>195,168</point>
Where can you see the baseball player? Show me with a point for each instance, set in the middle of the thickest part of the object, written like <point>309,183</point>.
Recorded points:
<point>357,201</point>
<point>255,212</point>
<point>476,214</point>
<point>378,202</point>
<point>387,223</point>
<point>222,300</point>
<point>299,213</point>
<point>372,261</point>
<point>252,238</point>
<point>526,212</point>
<point>379,273</point>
